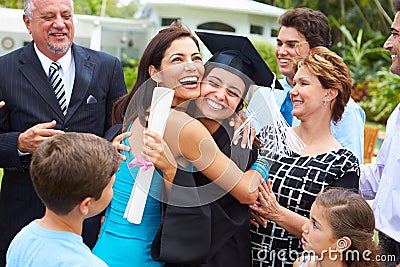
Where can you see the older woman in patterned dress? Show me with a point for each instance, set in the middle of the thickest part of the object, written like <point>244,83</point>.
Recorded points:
<point>322,87</point>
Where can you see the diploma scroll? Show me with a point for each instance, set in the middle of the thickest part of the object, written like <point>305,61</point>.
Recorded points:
<point>159,111</point>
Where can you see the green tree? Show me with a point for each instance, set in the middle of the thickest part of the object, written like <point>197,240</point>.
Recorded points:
<point>130,67</point>
<point>267,52</point>
<point>382,96</point>
<point>364,59</point>
<point>12,3</point>
<point>113,8</point>
<point>88,7</point>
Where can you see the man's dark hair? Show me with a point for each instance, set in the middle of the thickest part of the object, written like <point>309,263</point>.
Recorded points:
<point>396,6</point>
<point>311,23</point>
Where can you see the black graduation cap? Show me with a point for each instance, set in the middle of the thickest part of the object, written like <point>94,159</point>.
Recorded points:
<point>239,53</point>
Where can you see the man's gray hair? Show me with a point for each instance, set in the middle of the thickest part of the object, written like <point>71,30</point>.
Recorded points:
<point>29,7</point>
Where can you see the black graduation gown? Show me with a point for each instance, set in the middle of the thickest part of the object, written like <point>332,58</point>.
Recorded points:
<point>213,234</point>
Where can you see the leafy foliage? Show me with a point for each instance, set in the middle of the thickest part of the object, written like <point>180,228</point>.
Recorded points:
<point>113,8</point>
<point>267,52</point>
<point>87,7</point>
<point>364,59</point>
<point>130,67</point>
<point>381,97</point>
<point>373,84</point>
<point>12,3</point>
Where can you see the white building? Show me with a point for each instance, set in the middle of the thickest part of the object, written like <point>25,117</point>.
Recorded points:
<point>112,35</point>
<point>125,36</point>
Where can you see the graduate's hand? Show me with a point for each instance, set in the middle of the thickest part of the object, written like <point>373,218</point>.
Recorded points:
<point>157,152</point>
<point>257,220</point>
<point>267,206</point>
<point>116,142</point>
<point>248,134</point>
<point>2,104</point>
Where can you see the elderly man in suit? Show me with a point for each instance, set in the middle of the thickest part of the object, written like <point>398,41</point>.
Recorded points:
<point>51,86</point>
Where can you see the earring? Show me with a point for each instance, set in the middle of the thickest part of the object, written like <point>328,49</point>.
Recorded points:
<point>325,101</point>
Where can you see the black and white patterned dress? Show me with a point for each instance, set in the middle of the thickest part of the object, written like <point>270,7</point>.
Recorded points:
<point>296,180</point>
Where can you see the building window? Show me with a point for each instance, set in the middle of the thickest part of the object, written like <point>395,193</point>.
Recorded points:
<point>216,26</point>
<point>274,33</point>
<point>168,21</point>
<point>254,29</point>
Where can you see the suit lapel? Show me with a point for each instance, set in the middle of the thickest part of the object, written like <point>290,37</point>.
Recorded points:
<point>32,69</point>
<point>83,77</point>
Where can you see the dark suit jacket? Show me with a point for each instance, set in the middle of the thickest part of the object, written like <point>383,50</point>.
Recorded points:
<point>30,100</point>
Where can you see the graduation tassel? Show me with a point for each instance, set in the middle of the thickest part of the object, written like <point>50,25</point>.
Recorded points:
<point>265,114</point>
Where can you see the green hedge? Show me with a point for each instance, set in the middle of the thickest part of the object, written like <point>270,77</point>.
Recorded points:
<point>380,96</point>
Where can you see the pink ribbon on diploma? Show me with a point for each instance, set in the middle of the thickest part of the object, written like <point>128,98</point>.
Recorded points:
<point>141,162</point>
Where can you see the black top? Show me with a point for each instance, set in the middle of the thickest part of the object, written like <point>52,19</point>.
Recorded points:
<point>212,234</point>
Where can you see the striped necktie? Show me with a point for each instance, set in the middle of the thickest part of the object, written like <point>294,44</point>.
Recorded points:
<point>58,86</point>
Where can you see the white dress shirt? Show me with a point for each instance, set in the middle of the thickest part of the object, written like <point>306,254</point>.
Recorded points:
<point>382,180</point>
<point>67,71</point>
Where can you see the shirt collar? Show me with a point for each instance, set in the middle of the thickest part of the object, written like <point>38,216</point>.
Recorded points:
<point>286,86</point>
<point>65,61</point>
